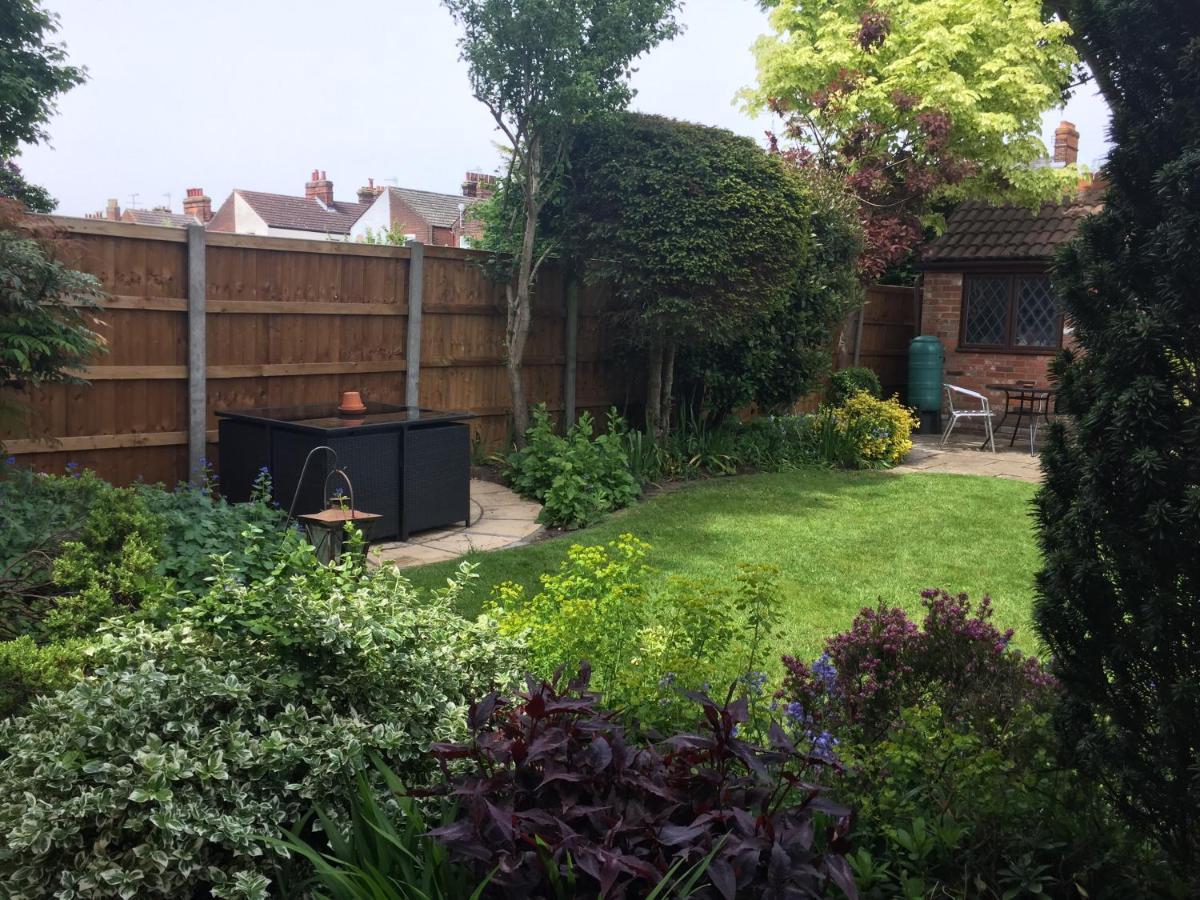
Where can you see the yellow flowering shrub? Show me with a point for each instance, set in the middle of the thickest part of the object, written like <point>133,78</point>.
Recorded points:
<point>872,432</point>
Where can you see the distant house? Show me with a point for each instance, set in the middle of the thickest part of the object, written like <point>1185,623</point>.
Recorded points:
<point>159,215</point>
<point>315,215</point>
<point>444,220</point>
<point>427,216</point>
<point>987,292</point>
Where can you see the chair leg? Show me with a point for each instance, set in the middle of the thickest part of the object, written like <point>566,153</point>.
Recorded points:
<point>990,433</point>
<point>949,428</point>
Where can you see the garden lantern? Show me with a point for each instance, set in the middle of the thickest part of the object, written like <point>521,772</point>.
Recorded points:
<point>326,530</point>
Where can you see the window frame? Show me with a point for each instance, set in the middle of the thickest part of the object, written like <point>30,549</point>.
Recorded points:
<point>1013,277</point>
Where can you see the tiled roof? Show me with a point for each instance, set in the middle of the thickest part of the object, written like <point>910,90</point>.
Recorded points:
<point>978,231</point>
<point>436,209</point>
<point>302,214</point>
<point>157,217</point>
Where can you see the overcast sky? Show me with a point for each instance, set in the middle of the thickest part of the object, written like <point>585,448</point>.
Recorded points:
<point>256,94</point>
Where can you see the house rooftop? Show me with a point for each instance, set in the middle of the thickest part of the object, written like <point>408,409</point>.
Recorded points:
<point>980,232</point>
<point>158,217</point>
<point>303,213</point>
<point>436,209</point>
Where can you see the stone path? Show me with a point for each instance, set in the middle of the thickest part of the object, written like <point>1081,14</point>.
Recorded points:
<point>499,518</point>
<point>963,457</point>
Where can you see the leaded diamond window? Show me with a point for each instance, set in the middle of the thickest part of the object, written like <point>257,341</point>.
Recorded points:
<point>987,311</point>
<point>1038,322</point>
<point>1010,312</point>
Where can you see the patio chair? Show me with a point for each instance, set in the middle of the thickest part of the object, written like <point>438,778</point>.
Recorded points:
<point>983,412</point>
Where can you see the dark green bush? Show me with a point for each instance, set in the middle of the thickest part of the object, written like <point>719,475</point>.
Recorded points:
<point>576,478</point>
<point>845,383</point>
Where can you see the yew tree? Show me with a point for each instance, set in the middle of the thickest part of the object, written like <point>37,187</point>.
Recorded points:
<point>916,103</point>
<point>1118,600</point>
<point>541,67</point>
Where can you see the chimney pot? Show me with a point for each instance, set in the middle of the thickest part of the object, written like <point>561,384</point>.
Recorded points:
<point>320,188</point>
<point>1066,143</point>
<point>197,205</point>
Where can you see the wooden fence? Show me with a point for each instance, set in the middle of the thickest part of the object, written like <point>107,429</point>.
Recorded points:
<point>877,336</point>
<point>197,321</point>
<point>284,322</point>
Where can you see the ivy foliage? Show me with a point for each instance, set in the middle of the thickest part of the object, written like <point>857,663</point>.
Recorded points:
<point>1119,512</point>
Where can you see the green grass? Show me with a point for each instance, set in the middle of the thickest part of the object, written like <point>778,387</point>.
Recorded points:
<point>841,540</point>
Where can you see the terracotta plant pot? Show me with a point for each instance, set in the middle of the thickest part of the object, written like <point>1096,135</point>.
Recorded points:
<point>352,404</point>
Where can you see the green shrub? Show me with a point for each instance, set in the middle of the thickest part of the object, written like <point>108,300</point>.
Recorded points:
<point>576,478</point>
<point>940,811</point>
<point>28,671</point>
<point>198,524</point>
<point>71,537</point>
<point>845,383</point>
<point>164,771</point>
<point>646,638</point>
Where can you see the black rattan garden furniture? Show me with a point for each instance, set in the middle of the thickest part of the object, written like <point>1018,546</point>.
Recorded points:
<point>411,466</point>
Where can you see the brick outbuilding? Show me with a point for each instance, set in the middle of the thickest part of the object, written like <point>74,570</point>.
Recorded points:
<point>987,293</point>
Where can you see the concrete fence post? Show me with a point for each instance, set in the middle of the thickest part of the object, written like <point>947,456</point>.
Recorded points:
<point>412,354</point>
<point>571,341</point>
<point>197,359</point>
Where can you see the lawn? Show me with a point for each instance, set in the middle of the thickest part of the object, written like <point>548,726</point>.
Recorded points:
<point>841,540</point>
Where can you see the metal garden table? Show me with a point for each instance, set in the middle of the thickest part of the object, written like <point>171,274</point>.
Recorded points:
<point>1025,400</point>
<point>410,466</point>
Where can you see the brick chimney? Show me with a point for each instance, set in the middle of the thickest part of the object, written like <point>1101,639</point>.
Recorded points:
<point>1066,143</point>
<point>369,191</point>
<point>479,185</point>
<point>112,212</point>
<point>197,205</point>
<point>319,188</point>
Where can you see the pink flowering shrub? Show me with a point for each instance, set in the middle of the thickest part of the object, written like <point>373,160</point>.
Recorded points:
<point>885,663</point>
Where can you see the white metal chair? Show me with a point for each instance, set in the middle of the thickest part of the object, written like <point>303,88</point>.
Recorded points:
<point>983,412</point>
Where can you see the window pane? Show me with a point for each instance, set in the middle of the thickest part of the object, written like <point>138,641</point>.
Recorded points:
<point>1037,313</point>
<point>987,310</point>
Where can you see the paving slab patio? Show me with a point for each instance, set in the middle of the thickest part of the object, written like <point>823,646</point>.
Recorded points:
<point>499,519</point>
<point>964,457</point>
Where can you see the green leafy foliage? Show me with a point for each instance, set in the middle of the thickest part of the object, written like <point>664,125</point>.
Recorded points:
<point>383,850</point>
<point>718,255</point>
<point>1119,512</point>
<point>844,383</point>
<point>44,330</point>
<point>164,772</point>
<point>913,103</point>
<point>198,524</point>
<point>541,67</point>
<point>646,637</point>
<point>77,550</point>
<point>28,670</point>
<point>576,478</point>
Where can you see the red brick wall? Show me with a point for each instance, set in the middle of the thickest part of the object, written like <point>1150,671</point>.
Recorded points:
<point>941,312</point>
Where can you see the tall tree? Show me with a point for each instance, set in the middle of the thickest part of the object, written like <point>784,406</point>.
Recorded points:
<point>914,103</point>
<point>33,73</point>
<point>719,256</point>
<point>1119,514</point>
<point>541,67</point>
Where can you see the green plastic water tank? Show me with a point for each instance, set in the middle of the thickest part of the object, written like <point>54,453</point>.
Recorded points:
<point>925,358</point>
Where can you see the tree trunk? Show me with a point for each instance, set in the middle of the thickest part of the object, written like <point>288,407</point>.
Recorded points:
<point>654,374</point>
<point>519,312</point>
<point>668,388</point>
